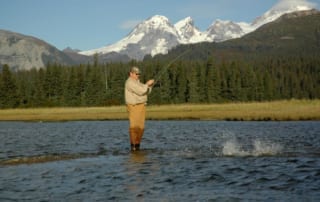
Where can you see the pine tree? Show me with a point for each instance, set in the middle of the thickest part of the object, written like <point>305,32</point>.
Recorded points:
<point>267,87</point>
<point>212,82</point>
<point>165,94</point>
<point>173,86</point>
<point>72,90</point>
<point>95,87</point>
<point>39,97</point>
<point>182,83</point>
<point>193,86</point>
<point>117,82</point>
<point>202,82</point>
<point>53,84</point>
<point>9,97</point>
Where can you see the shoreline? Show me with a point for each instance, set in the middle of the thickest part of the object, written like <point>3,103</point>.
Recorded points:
<point>284,110</point>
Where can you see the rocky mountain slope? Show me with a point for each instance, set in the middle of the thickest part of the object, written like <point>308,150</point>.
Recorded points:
<point>154,36</point>
<point>157,35</point>
<point>295,35</point>
<point>26,52</point>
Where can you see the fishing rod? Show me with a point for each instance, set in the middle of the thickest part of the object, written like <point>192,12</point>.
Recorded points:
<point>168,65</point>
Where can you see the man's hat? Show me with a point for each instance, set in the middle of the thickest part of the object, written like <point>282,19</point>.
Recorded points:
<point>135,70</point>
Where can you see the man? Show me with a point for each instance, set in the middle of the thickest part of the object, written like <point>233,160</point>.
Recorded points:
<point>136,96</point>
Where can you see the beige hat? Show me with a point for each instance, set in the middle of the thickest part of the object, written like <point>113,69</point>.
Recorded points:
<point>135,70</point>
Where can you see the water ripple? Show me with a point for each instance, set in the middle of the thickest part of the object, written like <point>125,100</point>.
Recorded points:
<point>179,161</point>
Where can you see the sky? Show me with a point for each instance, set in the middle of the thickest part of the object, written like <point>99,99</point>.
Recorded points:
<point>91,24</point>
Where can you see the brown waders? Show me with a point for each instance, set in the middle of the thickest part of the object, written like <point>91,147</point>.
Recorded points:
<point>137,114</point>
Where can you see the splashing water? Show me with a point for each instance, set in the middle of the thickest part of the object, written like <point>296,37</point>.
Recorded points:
<point>179,161</point>
<point>233,148</point>
<point>262,148</point>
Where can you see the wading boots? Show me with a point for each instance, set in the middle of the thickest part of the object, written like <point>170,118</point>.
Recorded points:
<point>135,138</point>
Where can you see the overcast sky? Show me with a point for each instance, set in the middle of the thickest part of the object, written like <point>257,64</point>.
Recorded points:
<point>90,24</point>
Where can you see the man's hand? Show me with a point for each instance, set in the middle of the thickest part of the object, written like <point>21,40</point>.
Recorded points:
<point>150,82</point>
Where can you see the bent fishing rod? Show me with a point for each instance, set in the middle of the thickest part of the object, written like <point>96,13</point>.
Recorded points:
<point>156,80</point>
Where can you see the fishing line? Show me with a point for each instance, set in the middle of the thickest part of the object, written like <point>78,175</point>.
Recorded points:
<point>168,65</point>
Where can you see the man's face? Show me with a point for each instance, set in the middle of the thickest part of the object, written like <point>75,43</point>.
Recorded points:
<point>134,75</point>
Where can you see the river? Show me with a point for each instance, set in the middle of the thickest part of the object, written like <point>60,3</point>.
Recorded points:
<point>179,161</point>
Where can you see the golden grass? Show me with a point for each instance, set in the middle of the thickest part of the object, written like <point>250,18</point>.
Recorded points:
<point>277,110</point>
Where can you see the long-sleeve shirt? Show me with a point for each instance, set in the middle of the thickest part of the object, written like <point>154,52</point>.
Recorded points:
<point>136,92</point>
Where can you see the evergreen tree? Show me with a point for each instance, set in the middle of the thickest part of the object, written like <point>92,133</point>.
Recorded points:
<point>267,87</point>
<point>182,84</point>
<point>53,84</point>
<point>212,85</point>
<point>95,87</point>
<point>202,84</point>
<point>192,85</point>
<point>173,86</point>
<point>39,97</point>
<point>117,82</point>
<point>72,90</point>
<point>9,97</point>
<point>165,87</point>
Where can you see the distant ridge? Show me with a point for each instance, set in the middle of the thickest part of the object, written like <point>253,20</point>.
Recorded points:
<point>25,52</point>
<point>154,36</point>
<point>157,35</point>
<point>294,34</point>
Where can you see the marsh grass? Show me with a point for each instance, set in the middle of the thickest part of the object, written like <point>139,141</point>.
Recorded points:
<point>253,111</point>
<point>278,110</point>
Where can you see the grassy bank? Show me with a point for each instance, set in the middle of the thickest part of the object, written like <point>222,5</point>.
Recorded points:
<point>277,110</point>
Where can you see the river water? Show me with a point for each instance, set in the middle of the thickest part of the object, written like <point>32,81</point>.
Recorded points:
<point>179,161</point>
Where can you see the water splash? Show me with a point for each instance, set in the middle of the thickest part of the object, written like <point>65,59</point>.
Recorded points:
<point>233,148</point>
<point>263,148</point>
<point>259,148</point>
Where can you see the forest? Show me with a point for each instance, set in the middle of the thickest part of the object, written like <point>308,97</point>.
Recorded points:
<point>280,60</point>
<point>184,81</point>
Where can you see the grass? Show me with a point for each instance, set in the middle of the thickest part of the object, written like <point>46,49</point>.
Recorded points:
<point>253,111</point>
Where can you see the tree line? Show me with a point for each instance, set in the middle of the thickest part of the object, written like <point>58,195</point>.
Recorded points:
<point>185,81</point>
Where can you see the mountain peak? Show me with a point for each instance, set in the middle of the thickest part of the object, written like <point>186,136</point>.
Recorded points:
<point>26,52</point>
<point>292,5</point>
<point>281,8</point>
<point>156,35</point>
<point>187,20</point>
<point>158,18</point>
<point>222,30</point>
<point>188,33</point>
<point>156,21</point>
<point>184,23</point>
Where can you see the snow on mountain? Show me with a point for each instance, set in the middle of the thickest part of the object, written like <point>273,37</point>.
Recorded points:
<point>282,7</point>
<point>224,30</point>
<point>157,35</point>
<point>188,32</point>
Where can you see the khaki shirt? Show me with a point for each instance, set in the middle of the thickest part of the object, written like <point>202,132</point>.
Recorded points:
<point>136,92</point>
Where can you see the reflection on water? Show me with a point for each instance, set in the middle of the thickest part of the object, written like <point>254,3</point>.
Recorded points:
<point>179,161</point>
<point>138,156</point>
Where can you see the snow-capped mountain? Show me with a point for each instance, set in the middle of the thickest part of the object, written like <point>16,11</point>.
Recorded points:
<point>188,33</point>
<point>157,35</point>
<point>224,30</point>
<point>279,9</point>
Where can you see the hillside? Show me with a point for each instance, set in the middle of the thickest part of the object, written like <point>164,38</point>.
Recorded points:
<point>278,61</point>
<point>292,34</point>
<point>296,33</point>
<point>25,52</point>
